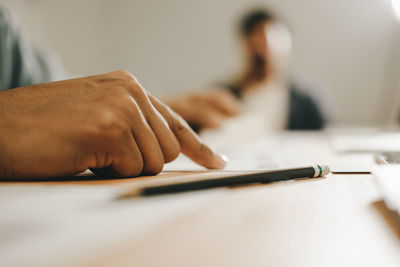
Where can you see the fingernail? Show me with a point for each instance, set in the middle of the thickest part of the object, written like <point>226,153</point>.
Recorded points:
<point>222,160</point>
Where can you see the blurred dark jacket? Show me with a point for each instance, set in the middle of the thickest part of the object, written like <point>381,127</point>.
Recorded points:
<point>304,113</point>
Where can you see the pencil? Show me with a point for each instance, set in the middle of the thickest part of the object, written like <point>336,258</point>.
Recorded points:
<point>257,177</point>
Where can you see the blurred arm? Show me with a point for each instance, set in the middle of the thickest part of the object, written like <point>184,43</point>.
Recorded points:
<point>21,63</point>
<point>208,109</point>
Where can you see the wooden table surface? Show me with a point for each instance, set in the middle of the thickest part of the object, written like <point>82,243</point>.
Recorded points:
<point>333,221</point>
<point>336,221</point>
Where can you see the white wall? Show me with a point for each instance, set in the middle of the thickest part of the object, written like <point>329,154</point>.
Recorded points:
<point>178,45</point>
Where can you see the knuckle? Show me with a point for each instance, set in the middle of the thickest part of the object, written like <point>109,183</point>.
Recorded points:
<point>113,79</point>
<point>203,148</point>
<point>136,89</point>
<point>109,125</point>
<point>179,124</point>
<point>126,75</point>
<point>122,100</point>
<point>134,86</point>
<point>203,152</point>
<point>117,104</point>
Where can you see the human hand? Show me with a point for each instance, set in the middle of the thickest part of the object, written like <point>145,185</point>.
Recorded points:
<point>207,109</point>
<point>108,123</point>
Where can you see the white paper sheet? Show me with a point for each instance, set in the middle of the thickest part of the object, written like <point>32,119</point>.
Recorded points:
<point>285,150</point>
<point>388,178</point>
<point>370,142</point>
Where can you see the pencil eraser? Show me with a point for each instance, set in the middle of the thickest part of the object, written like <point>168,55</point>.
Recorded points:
<point>325,170</point>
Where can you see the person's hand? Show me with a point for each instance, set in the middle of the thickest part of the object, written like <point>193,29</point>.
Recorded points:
<point>108,123</point>
<point>207,109</point>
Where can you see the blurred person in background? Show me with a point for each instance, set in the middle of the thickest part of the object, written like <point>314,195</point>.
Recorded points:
<point>269,101</point>
<point>22,64</point>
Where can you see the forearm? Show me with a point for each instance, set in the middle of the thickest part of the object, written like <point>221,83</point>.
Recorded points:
<point>5,123</point>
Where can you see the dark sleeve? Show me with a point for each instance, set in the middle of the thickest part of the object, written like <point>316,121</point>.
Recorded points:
<point>304,113</point>
<point>21,63</point>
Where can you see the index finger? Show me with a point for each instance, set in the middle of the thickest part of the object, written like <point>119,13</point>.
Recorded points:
<point>191,144</point>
